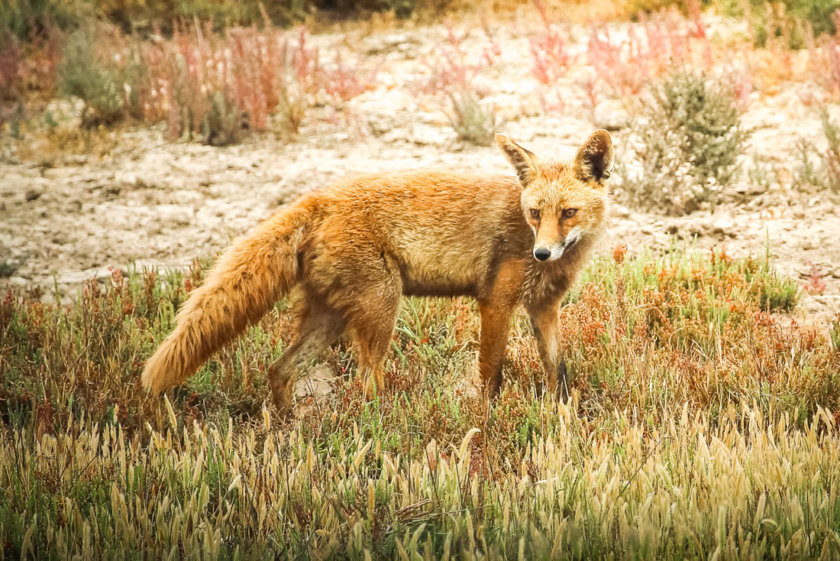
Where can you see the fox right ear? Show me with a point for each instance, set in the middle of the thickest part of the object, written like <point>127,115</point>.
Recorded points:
<point>594,160</point>
<point>524,162</point>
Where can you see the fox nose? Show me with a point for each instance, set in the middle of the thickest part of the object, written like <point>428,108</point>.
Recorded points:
<point>541,254</point>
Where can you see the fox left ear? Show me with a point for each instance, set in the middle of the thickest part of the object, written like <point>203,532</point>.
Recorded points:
<point>523,161</point>
<point>594,160</point>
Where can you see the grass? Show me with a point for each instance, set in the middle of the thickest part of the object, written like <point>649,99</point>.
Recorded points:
<point>701,424</point>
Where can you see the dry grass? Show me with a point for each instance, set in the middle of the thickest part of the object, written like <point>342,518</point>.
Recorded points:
<point>701,422</point>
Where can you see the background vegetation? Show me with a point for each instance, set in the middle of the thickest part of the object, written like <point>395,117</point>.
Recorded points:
<point>216,70</point>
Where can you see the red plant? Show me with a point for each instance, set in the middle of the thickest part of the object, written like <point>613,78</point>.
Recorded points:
<point>10,63</point>
<point>815,284</point>
<point>825,60</point>
<point>453,71</point>
<point>551,58</point>
<point>628,64</point>
<point>344,81</point>
<point>249,71</point>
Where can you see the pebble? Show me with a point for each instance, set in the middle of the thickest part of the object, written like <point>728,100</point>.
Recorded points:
<point>620,211</point>
<point>723,226</point>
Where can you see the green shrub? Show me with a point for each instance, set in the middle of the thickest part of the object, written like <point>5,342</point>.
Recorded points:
<point>473,122</point>
<point>103,78</point>
<point>821,167</point>
<point>30,20</point>
<point>224,123</point>
<point>688,138</point>
<point>786,19</point>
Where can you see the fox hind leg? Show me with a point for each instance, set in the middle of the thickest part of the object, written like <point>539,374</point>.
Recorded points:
<point>374,330</point>
<point>365,289</point>
<point>372,342</point>
<point>318,328</point>
<point>372,316</point>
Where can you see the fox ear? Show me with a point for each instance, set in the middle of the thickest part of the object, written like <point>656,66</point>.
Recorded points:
<point>594,160</point>
<point>524,161</point>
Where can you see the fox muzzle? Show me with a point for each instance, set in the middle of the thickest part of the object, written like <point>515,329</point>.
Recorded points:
<point>541,253</point>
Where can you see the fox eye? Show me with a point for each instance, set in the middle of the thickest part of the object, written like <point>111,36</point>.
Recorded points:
<point>569,212</point>
<point>535,213</point>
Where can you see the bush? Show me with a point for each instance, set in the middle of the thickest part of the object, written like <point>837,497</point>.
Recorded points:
<point>822,171</point>
<point>688,138</point>
<point>98,69</point>
<point>472,122</point>
<point>32,20</point>
<point>790,20</point>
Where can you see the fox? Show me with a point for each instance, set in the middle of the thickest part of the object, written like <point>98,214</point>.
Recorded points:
<point>352,250</point>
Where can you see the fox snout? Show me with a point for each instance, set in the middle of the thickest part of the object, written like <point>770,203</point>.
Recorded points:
<point>551,253</point>
<point>542,253</point>
<point>555,251</point>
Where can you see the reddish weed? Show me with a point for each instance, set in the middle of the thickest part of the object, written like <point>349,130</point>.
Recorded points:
<point>551,57</point>
<point>628,64</point>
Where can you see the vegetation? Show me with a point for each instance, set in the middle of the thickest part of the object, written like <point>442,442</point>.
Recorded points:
<point>820,165</point>
<point>791,20</point>
<point>703,418</point>
<point>700,422</point>
<point>688,139</point>
<point>472,122</point>
<point>203,85</point>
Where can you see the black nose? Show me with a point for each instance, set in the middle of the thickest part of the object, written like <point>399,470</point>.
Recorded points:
<point>542,254</point>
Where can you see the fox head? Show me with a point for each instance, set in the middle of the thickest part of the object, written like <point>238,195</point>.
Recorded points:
<point>563,203</point>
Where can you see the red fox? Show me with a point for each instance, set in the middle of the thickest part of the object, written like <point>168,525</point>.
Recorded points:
<point>355,248</point>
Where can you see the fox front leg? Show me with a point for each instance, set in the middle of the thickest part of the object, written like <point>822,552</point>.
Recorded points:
<point>544,320</point>
<point>496,307</point>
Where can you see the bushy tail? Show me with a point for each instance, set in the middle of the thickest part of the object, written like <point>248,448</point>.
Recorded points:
<point>242,286</point>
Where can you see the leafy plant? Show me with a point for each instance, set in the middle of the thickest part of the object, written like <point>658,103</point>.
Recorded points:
<point>98,69</point>
<point>473,122</point>
<point>688,137</point>
<point>820,167</point>
<point>790,20</point>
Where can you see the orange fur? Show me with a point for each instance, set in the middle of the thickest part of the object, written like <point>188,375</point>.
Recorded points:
<point>354,249</point>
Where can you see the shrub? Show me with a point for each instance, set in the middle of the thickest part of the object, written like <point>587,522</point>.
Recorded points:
<point>27,67</point>
<point>825,61</point>
<point>791,19</point>
<point>821,167</point>
<point>99,70</point>
<point>204,84</point>
<point>32,20</point>
<point>10,64</point>
<point>664,42</point>
<point>687,139</point>
<point>472,122</point>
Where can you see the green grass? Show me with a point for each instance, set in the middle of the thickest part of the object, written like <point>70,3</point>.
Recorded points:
<point>701,425</point>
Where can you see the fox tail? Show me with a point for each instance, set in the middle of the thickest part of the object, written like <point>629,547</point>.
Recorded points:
<point>243,285</point>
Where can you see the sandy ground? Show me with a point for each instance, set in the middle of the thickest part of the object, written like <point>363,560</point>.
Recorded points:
<point>155,202</point>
